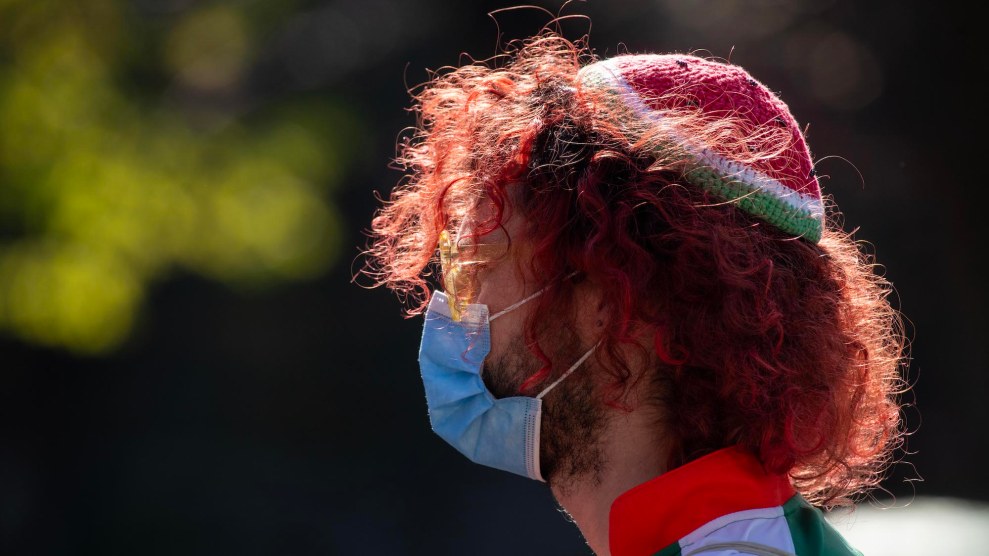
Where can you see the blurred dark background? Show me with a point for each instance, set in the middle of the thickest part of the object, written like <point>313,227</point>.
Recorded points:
<point>185,365</point>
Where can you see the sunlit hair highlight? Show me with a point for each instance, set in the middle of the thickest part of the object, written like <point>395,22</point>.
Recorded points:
<point>788,349</point>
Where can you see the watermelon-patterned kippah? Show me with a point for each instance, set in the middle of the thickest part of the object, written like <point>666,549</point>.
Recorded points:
<point>781,189</point>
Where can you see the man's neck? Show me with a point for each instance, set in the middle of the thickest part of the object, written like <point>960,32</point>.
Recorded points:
<point>633,452</point>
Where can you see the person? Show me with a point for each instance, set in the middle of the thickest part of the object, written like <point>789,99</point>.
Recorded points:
<point>646,301</point>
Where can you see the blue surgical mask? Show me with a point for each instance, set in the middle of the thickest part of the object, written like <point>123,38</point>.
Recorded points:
<point>500,433</point>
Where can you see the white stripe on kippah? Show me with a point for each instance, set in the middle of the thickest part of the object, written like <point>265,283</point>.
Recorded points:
<point>723,165</point>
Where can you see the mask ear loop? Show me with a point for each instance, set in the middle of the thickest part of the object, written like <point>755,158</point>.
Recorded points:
<point>569,372</point>
<point>573,367</point>
<point>518,304</point>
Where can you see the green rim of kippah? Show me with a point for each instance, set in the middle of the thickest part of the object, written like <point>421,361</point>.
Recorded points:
<point>758,202</point>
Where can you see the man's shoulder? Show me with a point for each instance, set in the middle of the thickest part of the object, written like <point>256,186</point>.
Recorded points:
<point>794,528</point>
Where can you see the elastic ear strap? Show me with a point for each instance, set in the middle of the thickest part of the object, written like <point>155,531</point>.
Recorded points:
<point>518,304</point>
<point>569,371</point>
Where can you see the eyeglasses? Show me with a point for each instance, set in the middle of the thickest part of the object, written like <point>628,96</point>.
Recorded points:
<point>459,268</point>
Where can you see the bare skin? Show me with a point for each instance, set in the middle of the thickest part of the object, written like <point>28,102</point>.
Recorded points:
<point>612,450</point>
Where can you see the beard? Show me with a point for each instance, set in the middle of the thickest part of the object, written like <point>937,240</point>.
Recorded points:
<point>572,418</point>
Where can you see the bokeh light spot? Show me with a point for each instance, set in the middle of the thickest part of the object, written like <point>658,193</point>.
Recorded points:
<point>208,49</point>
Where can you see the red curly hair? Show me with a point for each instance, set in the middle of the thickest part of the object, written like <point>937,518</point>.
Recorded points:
<point>786,348</point>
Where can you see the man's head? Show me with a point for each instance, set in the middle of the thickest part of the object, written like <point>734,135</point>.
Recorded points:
<point>669,205</point>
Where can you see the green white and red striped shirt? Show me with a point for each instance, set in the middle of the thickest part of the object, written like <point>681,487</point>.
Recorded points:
<point>718,505</point>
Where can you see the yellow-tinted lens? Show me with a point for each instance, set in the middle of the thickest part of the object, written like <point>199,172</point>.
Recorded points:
<point>458,270</point>
<point>452,280</point>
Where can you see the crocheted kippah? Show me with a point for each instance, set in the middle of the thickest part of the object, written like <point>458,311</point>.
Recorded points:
<point>781,190</point>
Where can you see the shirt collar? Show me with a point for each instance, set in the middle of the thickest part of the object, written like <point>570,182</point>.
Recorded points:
<point>661,511</point>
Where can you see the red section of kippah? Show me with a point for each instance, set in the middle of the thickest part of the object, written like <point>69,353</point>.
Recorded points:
<point>676,80</point>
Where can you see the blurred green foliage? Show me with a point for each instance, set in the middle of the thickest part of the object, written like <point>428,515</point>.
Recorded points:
<point>110,177</point>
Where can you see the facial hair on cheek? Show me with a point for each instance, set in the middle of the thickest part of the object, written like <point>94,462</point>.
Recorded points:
<point>572,417</point>
<point>570,446</point>
<point>503,375</point>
